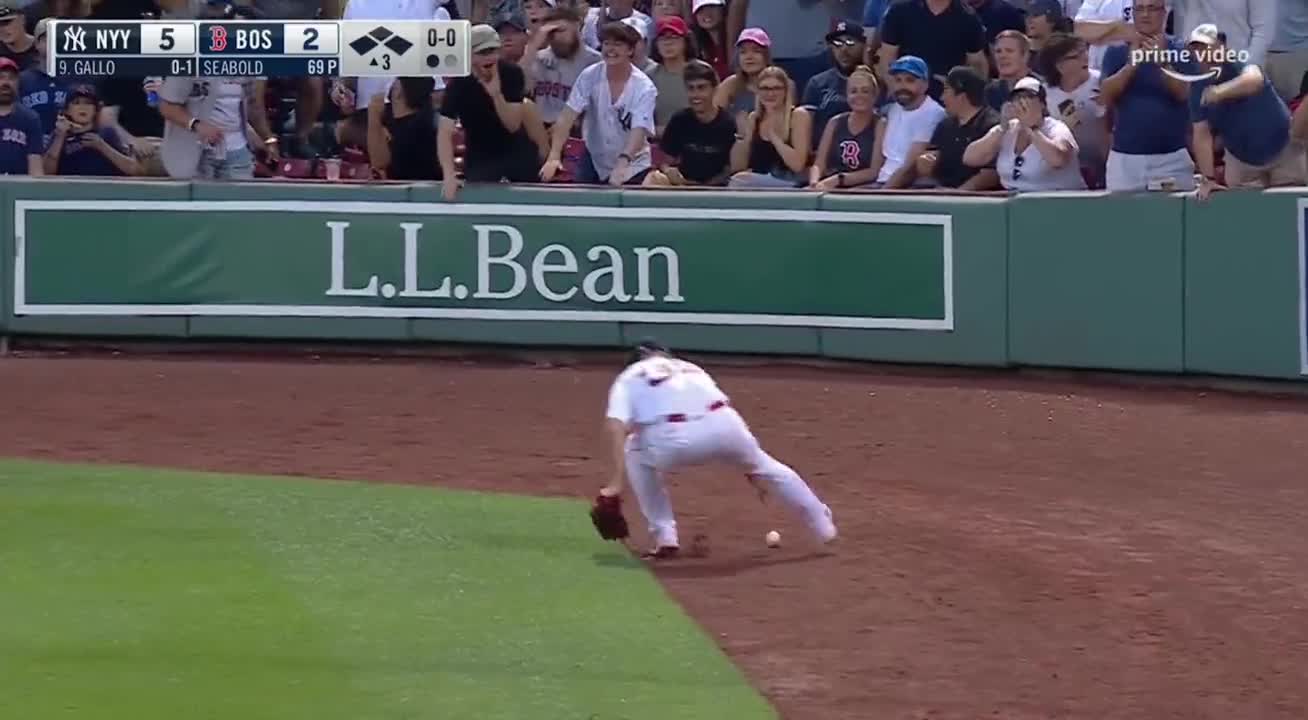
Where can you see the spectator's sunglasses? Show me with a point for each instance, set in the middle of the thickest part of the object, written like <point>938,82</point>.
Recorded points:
<point>844,41</point>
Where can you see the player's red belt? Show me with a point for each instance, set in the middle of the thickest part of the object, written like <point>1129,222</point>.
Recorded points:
<point>680,418</point>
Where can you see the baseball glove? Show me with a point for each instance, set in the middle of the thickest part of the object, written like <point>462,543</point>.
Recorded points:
<point>606,514</point>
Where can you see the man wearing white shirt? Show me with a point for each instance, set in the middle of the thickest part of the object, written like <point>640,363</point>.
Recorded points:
<point>1102,23</point>
<point>618,100</point>
<point>597,18</point>
<point>910,123</point>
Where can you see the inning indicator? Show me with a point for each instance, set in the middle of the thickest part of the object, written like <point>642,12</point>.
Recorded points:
<point>253,48</point>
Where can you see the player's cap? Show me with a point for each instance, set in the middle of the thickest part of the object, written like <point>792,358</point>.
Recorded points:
<point>42,27</point>
<point>1206,34</point>
<point>758,36</point>
<point>695,6</point>
<point>482,38</point>
<point>7,64</point>
<point>645,348</point>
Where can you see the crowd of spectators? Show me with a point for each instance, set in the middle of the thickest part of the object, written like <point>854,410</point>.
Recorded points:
<point>972,95</point>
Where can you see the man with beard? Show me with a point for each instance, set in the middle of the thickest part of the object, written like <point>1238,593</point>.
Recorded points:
<point>489,105</point>
<point>21,140</point>
<point>825,92</point>
<point>618,101</point>
<point>555,68</point>
<point>910,122</point>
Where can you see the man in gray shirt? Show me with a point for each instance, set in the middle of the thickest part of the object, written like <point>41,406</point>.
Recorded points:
<point>552,70</point>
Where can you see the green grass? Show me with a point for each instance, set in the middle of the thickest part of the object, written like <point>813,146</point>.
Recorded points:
<point>142,594</point>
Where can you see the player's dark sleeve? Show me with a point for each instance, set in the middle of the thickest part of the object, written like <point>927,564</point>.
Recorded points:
<point>452,100</point>
<point>513,82</point>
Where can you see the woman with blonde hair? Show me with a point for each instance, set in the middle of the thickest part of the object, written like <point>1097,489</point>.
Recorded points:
<point>846,155</point>
<point>774,140</point>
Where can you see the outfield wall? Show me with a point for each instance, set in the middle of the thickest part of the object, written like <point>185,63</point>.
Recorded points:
<point>1155,282</point>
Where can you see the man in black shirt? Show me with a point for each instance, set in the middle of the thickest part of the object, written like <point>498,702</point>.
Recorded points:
<point>488,103</point>
<point>698,138</point>
<point>402,136</point>
<point>15,42</point>
<point>969,119</point>
<point>944,33</point>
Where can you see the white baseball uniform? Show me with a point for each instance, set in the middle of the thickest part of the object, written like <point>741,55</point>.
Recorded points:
<point>681,418</point>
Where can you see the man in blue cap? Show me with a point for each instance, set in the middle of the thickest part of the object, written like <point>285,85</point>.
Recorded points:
<point>910,122</point>
<point>825,92</point>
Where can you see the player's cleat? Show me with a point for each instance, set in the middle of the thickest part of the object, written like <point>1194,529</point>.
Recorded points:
<point>663,552</point>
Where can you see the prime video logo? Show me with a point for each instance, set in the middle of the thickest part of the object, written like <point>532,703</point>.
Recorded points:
<point>1172,60</point>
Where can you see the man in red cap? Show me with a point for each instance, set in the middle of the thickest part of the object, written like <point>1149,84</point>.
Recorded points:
<point>21,140</point>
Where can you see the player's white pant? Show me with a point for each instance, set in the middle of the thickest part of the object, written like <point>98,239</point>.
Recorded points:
<point>720,436</point>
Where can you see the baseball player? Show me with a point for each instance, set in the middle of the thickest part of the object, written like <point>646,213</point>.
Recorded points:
<point>665,413</point>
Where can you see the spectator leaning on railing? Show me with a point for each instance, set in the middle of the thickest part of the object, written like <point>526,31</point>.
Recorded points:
<point>1073,97</point>
<point>910,123</point>
<point>698,140</point>
<point>774,139</point>
<point>1032,151</point>
<point>969,119</point>
<point>1241,107</point>
<point>846,154</point>
<point>80,146</point>
<point>210,126</point>
<point>825,92</point>
<point>616,130</point>
<point>1151,126</point>
<point>402,134</point>
<point>489,105</point>
<point>20,130</point>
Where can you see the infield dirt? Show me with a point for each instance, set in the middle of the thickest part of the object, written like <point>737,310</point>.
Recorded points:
<point>1010,548</point>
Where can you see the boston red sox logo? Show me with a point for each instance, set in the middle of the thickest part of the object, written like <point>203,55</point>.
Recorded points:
<point>849,152</point>
<point>218,38</point>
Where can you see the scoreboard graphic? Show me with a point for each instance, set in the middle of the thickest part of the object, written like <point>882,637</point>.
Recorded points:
<point>254,48</point>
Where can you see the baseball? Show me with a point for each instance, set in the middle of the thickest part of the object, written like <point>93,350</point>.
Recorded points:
<point>773,538</point>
